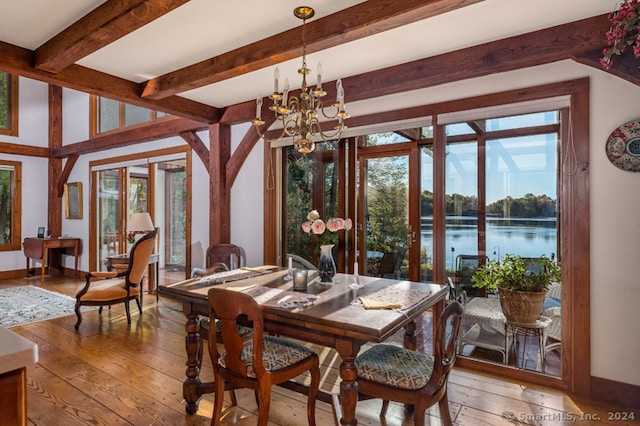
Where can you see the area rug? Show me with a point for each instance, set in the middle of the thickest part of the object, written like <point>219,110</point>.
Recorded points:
<point>27,304</point>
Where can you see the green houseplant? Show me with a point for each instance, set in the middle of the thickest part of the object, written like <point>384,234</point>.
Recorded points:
<point>521,284</point>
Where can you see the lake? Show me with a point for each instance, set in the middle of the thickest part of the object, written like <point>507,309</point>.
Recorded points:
<point>527,237</point>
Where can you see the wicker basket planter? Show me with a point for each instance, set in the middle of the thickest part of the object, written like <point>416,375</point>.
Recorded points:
<point>521,307</point>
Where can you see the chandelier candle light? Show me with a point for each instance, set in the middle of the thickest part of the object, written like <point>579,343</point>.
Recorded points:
<point>299,116</point>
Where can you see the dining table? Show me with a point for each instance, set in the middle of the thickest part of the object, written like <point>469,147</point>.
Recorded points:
<point>343,314</point>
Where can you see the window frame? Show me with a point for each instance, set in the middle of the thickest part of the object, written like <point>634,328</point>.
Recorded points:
<point>12,129</point>
<point>16,207</point>
<point>94,117</point>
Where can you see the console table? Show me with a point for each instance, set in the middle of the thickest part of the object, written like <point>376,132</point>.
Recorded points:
<point>38,248</point>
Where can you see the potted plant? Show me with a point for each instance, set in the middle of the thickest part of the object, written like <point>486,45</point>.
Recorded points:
<point>521,284</point>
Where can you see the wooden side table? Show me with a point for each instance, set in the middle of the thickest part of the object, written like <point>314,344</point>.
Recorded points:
<point>38,248</point>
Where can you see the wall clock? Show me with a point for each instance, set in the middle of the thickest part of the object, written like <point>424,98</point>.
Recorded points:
<point>623,146</point>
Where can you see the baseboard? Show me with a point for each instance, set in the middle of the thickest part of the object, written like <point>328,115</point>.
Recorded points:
<point>624,394</point>
<point>18,273</point>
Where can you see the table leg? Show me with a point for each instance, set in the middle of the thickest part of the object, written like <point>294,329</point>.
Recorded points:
<point>190,387</point>
<point>348,384</point>
<point>44,262</point>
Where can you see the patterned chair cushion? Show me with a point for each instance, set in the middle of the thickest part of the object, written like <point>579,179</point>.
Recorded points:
<point>395,366</point>
<point>277,353</point>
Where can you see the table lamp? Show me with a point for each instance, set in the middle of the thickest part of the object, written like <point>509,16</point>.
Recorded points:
<point>140,223</point>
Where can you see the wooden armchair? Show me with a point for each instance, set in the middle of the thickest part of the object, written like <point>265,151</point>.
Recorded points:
<point>394,373</point>
<point>256,363</point>
<point>100,288</point>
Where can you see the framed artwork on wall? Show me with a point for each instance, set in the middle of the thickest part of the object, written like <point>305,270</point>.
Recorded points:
<point>73,200</point>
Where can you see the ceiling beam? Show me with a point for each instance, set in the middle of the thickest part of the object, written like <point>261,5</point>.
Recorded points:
<point>151,131</point>
<point>19,61</point>
<point>624,66</point>
<point>567,41</point>
<point>100,27</point>
<point>364,19</point>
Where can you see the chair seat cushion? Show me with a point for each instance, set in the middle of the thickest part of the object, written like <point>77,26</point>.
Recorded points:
<point>395,366</point>
<point>277,354</point>
<point>112,290</point>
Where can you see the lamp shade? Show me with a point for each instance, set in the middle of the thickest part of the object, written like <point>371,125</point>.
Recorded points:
<point>140,222</point>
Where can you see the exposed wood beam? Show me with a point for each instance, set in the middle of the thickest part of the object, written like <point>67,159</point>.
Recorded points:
<point>19,149</point>
<point>194,141</point>
<point>243,150</point>
<point>353,23</point>
<point>100,27</point>
<point>522,51</point>
<point>145,133</point>
<point>568,41</point>
<point>625,66</point>
<point>64,176</point>
<point>19,61</point>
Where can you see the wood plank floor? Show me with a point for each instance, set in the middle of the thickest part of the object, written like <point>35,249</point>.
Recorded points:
<point>109,373</point>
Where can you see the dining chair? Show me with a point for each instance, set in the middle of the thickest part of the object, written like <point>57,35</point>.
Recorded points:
<point>410,377</point>
<point>102,290</point>
<point>256,363</point>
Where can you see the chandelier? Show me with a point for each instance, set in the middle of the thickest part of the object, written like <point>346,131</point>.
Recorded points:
<point>299,115</point>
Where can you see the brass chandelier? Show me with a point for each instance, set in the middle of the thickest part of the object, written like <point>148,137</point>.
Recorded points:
<point>299,115</point>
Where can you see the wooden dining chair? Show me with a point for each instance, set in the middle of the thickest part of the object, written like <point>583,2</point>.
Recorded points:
<point>256,363</point>
<point>409,377</point>
<point>103,289</point>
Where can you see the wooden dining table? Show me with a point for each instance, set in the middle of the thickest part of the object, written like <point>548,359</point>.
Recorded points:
<point>335,319</point>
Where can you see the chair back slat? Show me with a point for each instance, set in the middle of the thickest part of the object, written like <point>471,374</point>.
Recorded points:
<point>445,344</point>
<point>232,309</point>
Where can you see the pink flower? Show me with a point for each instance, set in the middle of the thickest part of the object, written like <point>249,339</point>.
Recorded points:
<point>306,227</point>
<point>318,227</point>
<point>335,224</point>
<point>347,224</point>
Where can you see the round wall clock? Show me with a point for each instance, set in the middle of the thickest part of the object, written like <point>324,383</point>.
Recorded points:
<point>623,146</point>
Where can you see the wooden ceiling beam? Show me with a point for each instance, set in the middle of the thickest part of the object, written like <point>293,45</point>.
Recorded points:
<point>144,133</point>
<point>19,61</point>
<point>624,66</point>
<point>568,41</point>
<point>100,27</point>
<point>362,20</point>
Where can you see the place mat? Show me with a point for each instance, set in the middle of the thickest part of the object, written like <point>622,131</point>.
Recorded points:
<point>392,297</point>
<point>224,277</point>
<point>281,298</point>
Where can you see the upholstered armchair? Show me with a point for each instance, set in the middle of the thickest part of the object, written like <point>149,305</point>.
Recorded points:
<point>108,288</point>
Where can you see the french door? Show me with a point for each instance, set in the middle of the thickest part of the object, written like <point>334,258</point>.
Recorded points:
<point>388,229</point>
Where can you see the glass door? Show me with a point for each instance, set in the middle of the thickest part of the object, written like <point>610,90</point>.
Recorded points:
<point>109,215</point>
<point>385,236</point>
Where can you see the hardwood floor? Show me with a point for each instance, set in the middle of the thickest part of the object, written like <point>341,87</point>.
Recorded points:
<point>109,373</point>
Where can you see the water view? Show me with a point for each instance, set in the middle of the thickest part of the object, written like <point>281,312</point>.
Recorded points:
<point>528,237</point>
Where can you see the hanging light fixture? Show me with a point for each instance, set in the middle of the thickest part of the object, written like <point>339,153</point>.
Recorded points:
<point>299,115</point>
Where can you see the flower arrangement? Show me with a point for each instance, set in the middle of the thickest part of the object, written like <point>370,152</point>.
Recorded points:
<point>624,32</point>
<point>317,226</point>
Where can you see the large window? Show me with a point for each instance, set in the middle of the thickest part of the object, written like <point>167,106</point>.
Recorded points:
<point>8,104</point>
<point>109,115</point>
<point>501,175</point>
<point>10,205</point>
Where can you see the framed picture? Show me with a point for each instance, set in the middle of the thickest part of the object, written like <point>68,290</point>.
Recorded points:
<point>73,200</point>
<point>41,232</point>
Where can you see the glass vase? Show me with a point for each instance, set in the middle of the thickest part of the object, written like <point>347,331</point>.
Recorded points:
<point>326,265</point>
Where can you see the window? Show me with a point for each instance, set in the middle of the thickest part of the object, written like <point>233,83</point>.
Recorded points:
<point>108,115</point>
<point>8,104</point>
<point>10,205</point>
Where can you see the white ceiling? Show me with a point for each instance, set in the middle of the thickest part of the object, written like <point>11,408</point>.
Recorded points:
<point>202,29</point>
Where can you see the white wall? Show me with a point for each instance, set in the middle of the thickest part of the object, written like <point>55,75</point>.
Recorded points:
<point>615,196</point>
